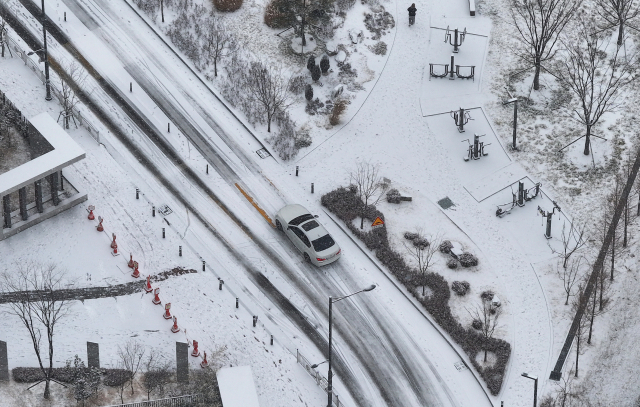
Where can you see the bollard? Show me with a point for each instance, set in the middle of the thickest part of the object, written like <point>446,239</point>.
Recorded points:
<point>153,211</point>
<point>236,302</point>
<point>220,284</point>
<point>271,340</point>
<point>296,170</point>
<point>168,127</point>
<point>130,86</point>
<point>203,265</point>
<point>207,168</point>
<point>180,251</point>
<point>65,16</point>
<point>137,193</point>
<point>312,187</point>
<point>163,233</point>
<point>255,320</point>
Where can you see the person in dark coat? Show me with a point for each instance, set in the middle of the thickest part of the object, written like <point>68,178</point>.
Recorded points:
<point>412,13</point>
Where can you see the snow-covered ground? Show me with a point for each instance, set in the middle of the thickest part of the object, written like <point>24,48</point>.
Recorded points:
<point>386,124</point>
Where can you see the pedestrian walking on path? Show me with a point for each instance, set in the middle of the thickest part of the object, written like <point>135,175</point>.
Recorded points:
<point>412,13</point>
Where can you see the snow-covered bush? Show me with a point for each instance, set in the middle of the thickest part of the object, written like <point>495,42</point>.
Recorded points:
<point>487,295</point>
<point>379,22</point>
<point>274,17</point>
<point>227,5</point>
<point>468,260</point>
<point>325,64</point>
<point>452,264</point>
<point>116,377</point>
<point>297,84</point>
<point>338,109</point>
<point>288,141</point>
<point>410,235</point>
<point>308,93</point>
<point>393,196</point>
<point>460,287</point>
<point>346,71</point>
<point>476,324</point>
<point>314,106</point>
<point>446,246</point>
<point>379,48</point>
<point>421,243</point>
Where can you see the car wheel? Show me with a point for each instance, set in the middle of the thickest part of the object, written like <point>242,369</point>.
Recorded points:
<point>307,258</point>
<point>279,225</point>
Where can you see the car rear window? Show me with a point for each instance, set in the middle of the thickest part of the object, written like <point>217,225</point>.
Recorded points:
<point>300,219</point>
<point>323,243</point>
<point>310,225</point>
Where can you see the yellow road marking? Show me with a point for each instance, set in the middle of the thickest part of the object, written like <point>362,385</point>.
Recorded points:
<point>255,205</point>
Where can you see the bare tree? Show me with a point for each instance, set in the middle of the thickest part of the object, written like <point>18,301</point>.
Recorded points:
<point>269,88</point>
<point>422,250</point>
<point>157,374</point>
<point>370,186</point>
<point>539,24</point>
<point>488,314</point>
<point>37,306</point>
<point>131,358</point>
<point>3,30</point>
<point>569,275</point>
<point>572,241</point>
<point>75,77</point>
<point>218,41</point>
<point>594,76</point>
<point>617,13</point>
<point>581,331</point>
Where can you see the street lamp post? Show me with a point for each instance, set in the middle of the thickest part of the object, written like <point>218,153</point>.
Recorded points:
<point>329,379</point>
<point>46,58</point>
<point>535,388</point>
<point>515,119</point>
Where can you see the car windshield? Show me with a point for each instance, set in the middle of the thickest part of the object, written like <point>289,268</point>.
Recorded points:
<point>310,225</point>
<point>300,219</point>
<point>323,243</point>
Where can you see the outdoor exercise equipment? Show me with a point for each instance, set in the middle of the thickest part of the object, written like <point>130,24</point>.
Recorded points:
<point>457,39</point>
<point>476,150</point>
<point>460,117</point>
<point>519,199</point>
<point>548,215</point>
<point>451,69</point>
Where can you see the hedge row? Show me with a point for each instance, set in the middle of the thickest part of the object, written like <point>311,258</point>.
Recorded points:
<point>347,206</point>
<point>112,377</point>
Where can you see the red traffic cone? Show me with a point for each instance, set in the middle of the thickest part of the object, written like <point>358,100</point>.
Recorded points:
<point>167,314</point>
<point>91,215</point>
<point>156,299</point>
<point>148,288</point>
<point>195,352</point>
<point>204,362</point>
<point>175,328</point>
<point>130,264</point>
<point>115,247</point>
<point>99,228</point>
<point>136,273</point>
<point>113,244</point>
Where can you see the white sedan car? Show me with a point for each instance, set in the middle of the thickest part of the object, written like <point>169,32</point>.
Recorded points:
<point>309,236</point>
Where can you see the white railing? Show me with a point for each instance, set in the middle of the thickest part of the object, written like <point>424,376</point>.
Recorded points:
<point>320,379</point>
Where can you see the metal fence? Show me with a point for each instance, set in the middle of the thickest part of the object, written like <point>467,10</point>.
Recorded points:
<point>320,379</point>
<point>14,48</point>
<point>182,401</point>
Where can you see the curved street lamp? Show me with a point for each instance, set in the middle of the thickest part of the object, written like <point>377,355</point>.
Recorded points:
<point>535,389</point>
<point>329,379</point>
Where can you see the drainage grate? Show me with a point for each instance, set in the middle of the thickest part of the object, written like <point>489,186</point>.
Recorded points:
<point>263,153</point>
<point>446,203</point>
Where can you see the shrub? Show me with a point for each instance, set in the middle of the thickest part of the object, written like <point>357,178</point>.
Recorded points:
<point>421,243</point>
<point>34,374</point>
<point>338,109</point>
<point>460,287</point>
<point>411,235</point>
<point>275,17</point>
<point>393,196</point>
<point>487,295</point>
<point>468,260</point>
<point>446,246</point>
<point>476,324</point>
<point>228,5</point>
<point>452,264</point>
<point>315,73</point>
<point>325,64</point>
<point>116,377</point>
<point>347,72</point>
<point>380,48</point>
<point>298,84</point>
<point>311,63</point>
<point>308,92</point>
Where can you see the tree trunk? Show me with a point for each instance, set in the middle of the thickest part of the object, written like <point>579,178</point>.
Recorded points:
<point>613,253</point>
<point>364,209</point>
<point>593,314</point>
<point>162,9</point>
<point>47,392</point>
<point>601,288</point>
<point>638,213</point>
<point>567,301</point>
<point>485,356</point>
<point>620,34</point>
<point>215,67</point>
<point>587,140</point>
<point>268,122</point>
<point>536,77</point>
<point>626,222</point>
<point>577,352</point>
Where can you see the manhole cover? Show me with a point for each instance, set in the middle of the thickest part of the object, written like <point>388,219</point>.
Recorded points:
<point>263,153</point>
<point>445,203</point>
<point>164,210</point>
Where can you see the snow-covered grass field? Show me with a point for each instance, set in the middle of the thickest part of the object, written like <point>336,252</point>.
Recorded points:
<point>423,158</point>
